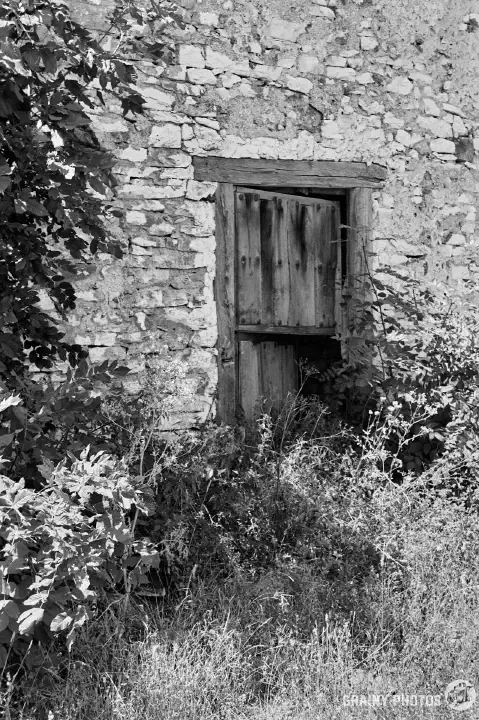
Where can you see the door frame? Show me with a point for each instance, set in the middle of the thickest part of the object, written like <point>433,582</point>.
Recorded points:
<point>358,179</point>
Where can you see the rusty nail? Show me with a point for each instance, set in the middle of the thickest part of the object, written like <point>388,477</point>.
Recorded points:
<point>256,198</point>
<point>243,258</point>
<point>280,262</point>
<point>297,263</point>
<point>320,266</point>
<point>241,196</point>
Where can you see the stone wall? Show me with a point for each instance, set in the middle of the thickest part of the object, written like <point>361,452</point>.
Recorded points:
<point>386,81</point>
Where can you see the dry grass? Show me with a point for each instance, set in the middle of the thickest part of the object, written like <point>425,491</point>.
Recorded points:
<point>241,651</point>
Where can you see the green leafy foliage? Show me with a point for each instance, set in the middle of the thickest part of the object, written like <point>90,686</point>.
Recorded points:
<point>56,419</point>
<point>414,354</point>
<point>56,180</point>
<point>63,546</point>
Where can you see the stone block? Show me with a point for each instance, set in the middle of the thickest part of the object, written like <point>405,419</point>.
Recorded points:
<point>174,298</point>
<point>324,12</point>
<point>138,189</point>
<point>280,29</point>
<point>162,229</point>
<point>341,73</point>
<point>430,107</point>
<point>207,138</point>
<point>136,155</point>
<point>400,85</point>
<point>157,99</point>
<point>143,242</point>
<point>201,76</point>
<point>436,126</point>
<point>457,239</point>
<point>247,90</point>
<point>336,61</point>
<point>403,137</point>
<point>297,84</point>
<point>330,129</point>
<point>218,61</point>
<point>459,128</point>
<point>199,190</point>
<point>167,135</point>
<point>135,217</point>
<point>191,56</point>
<point>308,64</point>
<point>365,78</point>
<point>148,298</point>
<point>267,72</point>
<point>208,18</point>
<point>442,146</point>
<point>368,42</point>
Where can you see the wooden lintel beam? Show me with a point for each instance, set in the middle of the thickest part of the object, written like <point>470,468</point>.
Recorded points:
<point>298,173</point>
<point>284,330</point>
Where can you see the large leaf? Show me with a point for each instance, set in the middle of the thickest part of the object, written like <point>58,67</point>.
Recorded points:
<point>61,622</point>
<point>28,620</point>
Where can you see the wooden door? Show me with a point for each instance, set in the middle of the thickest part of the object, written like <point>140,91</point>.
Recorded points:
<point>287,276</point>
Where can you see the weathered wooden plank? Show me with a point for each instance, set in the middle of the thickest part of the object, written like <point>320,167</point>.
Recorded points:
<point>326,263</point>
<point>248,377</point>
<point>248,258</point>
<point>339,275</point>
<point>278,374</point>
<point>268,230</point>
<point>270,195</point>
<point>225,302</point>
<point>271,375</point>
<point>299,173</point>
<point>285,330</point>
<point>302,255</point>
<point>290,373</point>
<point>355,293</point>
<point>280,262</point>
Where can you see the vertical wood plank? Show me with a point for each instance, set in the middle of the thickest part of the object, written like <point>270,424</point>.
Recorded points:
<point>360,213</point>
<point>278,374</point>
<point>248,258</point>
<point>289,373</point>
<point>325,266</point>
<point>270,375</point>
<point>225,302</point>
<point>280,262</point>
<point>268,230</point>
<point>302,256</point>
<point>339,275</point>
<point>248,377</point>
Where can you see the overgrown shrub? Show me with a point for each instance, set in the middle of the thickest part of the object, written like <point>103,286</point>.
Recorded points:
<point>62,548</point>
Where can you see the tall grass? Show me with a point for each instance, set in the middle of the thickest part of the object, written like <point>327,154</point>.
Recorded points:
<point>373,588</point>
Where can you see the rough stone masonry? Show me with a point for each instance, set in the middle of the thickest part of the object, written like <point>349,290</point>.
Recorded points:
<point>393,82</point>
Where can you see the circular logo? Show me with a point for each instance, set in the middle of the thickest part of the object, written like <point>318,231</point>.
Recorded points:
<point>460,695</point>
